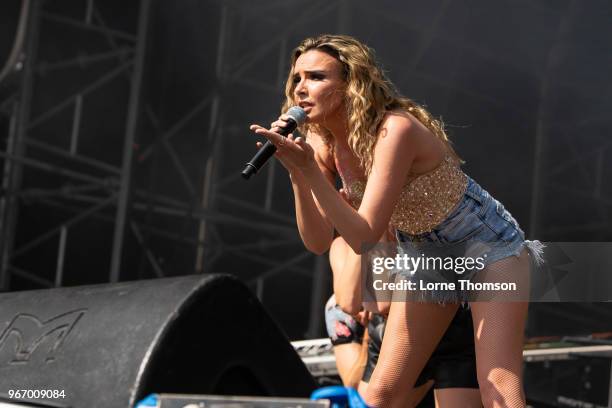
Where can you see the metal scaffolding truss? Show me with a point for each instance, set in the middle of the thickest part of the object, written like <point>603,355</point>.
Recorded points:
<point>99,182</point>
<point>221,189</point>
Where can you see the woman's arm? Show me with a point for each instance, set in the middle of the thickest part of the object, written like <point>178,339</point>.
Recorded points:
<point>347,278</point>
<point>315,229</point>
<point>346,271</point>
<point>393,157</point>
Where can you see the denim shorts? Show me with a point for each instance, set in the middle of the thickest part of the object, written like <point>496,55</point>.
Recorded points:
<point>478,228</point>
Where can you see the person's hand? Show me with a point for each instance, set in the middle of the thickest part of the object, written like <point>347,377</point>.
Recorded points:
<point>344,195</point>
<point>362,317</point>
<point>389,235</point>
<point>294,154</point>
<point>280,123</point>
<point>289,166</point>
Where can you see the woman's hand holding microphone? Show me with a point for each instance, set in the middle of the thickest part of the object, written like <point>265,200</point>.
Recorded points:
<point>294,153</point>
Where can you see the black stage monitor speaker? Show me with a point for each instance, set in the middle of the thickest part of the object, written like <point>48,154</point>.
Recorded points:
<point>111,345</point>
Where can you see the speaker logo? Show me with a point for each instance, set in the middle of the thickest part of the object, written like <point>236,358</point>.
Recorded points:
<point>26,335</point>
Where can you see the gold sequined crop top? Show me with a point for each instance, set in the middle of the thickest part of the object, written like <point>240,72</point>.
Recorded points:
<point>426,199</point>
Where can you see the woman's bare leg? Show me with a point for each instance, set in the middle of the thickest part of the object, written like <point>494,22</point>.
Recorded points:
<point>347,355</point>
<point>337,254</point>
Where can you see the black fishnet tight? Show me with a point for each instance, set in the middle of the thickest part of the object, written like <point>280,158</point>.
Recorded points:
<point>414,329</point>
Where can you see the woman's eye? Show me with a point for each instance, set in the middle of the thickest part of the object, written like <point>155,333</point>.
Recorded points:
<point>317,77</point>
<point>296,80</point>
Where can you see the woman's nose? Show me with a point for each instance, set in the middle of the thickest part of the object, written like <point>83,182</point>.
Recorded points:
<point>300,89</point>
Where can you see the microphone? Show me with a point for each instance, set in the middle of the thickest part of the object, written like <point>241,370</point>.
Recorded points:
<point>297,116</point>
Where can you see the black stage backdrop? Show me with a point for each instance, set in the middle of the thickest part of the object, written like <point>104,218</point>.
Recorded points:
<point>523,87</point>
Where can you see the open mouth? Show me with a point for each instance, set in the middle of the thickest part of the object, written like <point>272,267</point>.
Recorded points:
<point>305,105</point>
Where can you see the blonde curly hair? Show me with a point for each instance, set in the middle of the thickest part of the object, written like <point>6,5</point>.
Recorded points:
<point>369,95</point>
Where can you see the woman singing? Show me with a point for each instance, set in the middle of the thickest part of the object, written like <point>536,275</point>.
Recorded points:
<point>399,169</point>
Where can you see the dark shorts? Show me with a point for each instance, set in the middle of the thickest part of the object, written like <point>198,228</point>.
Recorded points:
<point>452,364</point>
